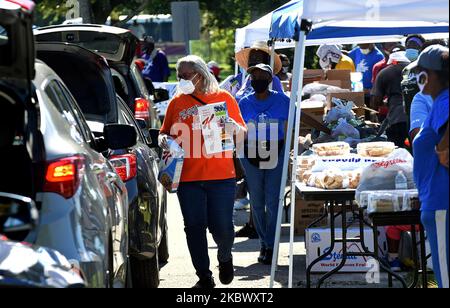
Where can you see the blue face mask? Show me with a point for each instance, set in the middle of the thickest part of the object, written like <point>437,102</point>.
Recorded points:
<point>412,54</point>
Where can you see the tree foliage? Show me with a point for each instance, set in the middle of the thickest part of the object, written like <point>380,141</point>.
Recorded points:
<point>220,18</point>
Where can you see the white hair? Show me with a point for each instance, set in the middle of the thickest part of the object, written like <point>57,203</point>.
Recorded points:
<point>199,66</point>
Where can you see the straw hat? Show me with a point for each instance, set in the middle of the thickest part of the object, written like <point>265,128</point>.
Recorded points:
<point>243,55</point>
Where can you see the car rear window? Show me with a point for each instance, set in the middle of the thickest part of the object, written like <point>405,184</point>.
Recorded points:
<point>90,84</point>
<point>94,41</point>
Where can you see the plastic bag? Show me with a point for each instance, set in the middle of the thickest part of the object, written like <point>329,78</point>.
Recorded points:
<point>381,175</point>
<point>318,88</point>
<point>345,129</point>
<point>340,111</point>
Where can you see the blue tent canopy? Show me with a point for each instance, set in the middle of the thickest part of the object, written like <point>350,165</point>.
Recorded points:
<point>286,25</point>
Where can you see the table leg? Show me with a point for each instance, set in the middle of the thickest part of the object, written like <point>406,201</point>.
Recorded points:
<point>344,247</point>
<point>328,253</point>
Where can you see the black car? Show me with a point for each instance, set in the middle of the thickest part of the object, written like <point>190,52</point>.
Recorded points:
<point>89,78</point>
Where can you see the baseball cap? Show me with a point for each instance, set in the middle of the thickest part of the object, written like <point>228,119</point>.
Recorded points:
<point>431,58</point>
<point>262,67</point>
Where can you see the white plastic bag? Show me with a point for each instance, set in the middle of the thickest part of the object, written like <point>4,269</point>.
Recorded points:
<point>381,175</point>
<point>340,111</point>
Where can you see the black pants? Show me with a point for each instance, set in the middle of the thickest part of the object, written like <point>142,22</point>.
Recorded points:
<point>398,133</point>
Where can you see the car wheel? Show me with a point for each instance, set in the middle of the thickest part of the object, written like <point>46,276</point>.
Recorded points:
<point>145,272</point>
<point>163,249</point>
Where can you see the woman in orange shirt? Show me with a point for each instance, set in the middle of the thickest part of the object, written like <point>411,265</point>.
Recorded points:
<point>208,182</point>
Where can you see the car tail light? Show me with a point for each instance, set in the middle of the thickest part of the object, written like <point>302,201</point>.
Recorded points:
<point>125,165</point>
<point>142,109</point>
<point>63,176</point>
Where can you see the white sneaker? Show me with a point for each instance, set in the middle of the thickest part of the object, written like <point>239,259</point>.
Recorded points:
<point>241,204</point>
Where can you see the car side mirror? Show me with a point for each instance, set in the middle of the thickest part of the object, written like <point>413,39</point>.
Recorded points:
<point>119,136</point>
<point>18,216</point>
<point>161,95</point>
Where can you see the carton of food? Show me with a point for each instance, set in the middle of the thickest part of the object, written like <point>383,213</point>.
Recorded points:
<point>171,166</point>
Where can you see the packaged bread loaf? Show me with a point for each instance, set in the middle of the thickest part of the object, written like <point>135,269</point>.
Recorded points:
<point>382,202</point>
<point>331,149</point>
<point>376,149</point>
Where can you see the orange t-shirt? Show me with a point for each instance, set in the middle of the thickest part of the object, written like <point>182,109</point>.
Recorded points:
<point>181,122</point>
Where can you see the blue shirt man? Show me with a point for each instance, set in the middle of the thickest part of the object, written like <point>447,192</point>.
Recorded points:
<point>432,179</point>
<point>365,57</point>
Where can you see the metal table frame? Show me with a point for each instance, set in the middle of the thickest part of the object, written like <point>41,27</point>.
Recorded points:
<point>339,203</point>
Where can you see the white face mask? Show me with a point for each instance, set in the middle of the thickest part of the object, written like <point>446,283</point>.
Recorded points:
<point>186,87</point>
<point>366,51</point>
<point>422,80</point>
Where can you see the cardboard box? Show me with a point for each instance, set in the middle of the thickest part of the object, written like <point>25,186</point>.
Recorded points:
<point>310,76</point>
<point>306,212</point>
<point>319,240</point>
<point>342,75</point>
<point>334,83</point>
<point>357,97</point>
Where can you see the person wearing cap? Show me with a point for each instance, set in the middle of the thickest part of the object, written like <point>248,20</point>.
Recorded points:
<point>332,57</point>
<point>258,53</point>
<point>419,105</point>
<point>265,113</point>
<point>388,84</point>
<point>430,175</point>
<point>239,87</point>
<point>156,64</point>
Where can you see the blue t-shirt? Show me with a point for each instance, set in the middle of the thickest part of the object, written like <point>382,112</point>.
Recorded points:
<point>432,179</point>
<point>158,68</point>
<point>420,109</point>
<point>275,109</point>
<point>365,63</point>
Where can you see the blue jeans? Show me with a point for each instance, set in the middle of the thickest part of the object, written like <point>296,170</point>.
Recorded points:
<point>264,189</point>
<point>208,204</point>
<point>436,225</point>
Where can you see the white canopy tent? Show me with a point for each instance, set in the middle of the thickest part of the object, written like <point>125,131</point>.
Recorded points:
<point>348,32</point>
<point>289,22</point>
<point>319,11</point>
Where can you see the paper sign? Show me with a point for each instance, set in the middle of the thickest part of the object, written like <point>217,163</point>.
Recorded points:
<point>213,118</point>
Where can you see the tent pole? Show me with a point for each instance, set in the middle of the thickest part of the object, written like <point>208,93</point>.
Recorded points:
<point>295,162</point>
<point>297,80</point>
<point>272,60</point>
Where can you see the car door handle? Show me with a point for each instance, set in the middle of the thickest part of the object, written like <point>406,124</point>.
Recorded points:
<point>97,168</point>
